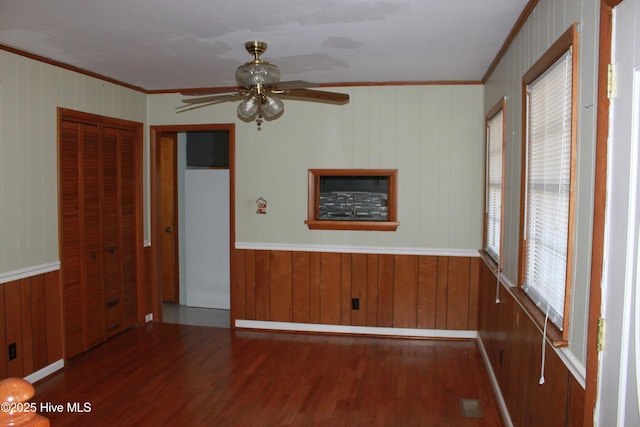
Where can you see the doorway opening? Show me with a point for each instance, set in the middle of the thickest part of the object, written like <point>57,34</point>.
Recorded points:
<point>192,221</point>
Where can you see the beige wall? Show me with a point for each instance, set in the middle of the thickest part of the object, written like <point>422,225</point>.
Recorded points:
<point>30,92</point>
<point>433,135</point>
<point>548,21</point>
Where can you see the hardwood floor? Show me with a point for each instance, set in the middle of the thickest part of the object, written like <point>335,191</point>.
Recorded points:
<point>167,374</point>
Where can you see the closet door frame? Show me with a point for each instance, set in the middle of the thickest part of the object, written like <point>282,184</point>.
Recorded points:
<point>67,115</point>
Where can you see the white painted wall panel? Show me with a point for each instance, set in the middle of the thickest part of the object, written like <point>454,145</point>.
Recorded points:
<point>433,135</point>
<point>548,21</point>
<point>30,92</point>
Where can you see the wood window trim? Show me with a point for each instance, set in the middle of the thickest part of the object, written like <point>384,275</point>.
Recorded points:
<point>489,261</point>
<point>553,333</point>
<point>500,106</point>
<point>313,193</point>
<point>611,3</point>
<point>557,337</point>
<point>568,40</point>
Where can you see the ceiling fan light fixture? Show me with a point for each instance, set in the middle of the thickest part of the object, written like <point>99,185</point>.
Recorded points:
<point>248,108</point>
<point>272,107</point>
<point>259,81</point>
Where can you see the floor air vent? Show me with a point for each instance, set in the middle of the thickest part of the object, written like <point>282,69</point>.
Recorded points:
<point>471,408</point>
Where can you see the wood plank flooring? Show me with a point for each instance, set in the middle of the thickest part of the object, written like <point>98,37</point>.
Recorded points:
<point>168,375</point>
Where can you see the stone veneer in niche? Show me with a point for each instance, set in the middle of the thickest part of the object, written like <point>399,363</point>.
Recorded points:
<point>353,206</point>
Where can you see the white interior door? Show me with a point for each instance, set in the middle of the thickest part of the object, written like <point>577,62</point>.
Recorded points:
<point>617,401</point>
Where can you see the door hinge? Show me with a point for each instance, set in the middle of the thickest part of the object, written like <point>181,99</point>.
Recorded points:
<point>600,337</point>
<point>611,81</point>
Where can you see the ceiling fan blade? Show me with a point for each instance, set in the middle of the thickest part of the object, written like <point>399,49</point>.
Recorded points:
<point>184,108</point>
<point>315,96</point>
<point>211,91</point>
<point>214,98</point>
<point>193,104</point>
<point>294,84</point>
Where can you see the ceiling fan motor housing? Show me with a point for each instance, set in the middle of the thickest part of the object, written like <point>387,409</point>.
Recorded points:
<point>257,72</point>
<point>254,74</point>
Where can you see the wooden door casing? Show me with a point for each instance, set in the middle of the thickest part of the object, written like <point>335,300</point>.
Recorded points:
<point>155,263</point>
<point>99,227</point>
<point>168,220</point>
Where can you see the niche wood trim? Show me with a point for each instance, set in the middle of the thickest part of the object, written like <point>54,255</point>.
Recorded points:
<point>372,210</point>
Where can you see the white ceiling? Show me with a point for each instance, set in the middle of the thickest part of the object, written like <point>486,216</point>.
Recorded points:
<point>177,44</point>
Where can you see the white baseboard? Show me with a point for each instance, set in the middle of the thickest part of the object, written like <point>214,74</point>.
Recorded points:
<point>355,330</point>
<point>45,372</point>
<point>494,383</point>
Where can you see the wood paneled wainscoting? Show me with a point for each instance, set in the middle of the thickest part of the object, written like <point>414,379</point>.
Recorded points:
<point>31,320</point>
<point>513,346</point>
<point>392,291</point>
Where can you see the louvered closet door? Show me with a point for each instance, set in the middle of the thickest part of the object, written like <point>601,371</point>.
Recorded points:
<point>118,228</point>
<point>71,248</point>
<point>111,242</point>
<point>91,210</point>
<point>98,254</point>
<point>128,219</point>
<point>81,254</point>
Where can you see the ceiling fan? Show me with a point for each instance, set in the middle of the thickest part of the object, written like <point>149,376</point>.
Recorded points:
<point>261,91</point>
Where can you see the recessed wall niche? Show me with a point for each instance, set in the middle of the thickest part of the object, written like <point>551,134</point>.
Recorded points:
<point>352,199</point>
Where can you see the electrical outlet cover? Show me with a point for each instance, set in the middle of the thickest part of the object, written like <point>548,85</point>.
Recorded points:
<point>13,351</point>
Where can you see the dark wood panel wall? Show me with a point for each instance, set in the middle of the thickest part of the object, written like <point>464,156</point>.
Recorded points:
<point>30,318</point>
<point>400,291</point>
<point>514,347</point>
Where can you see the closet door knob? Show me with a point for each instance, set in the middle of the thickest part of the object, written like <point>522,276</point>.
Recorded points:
<point>168,230</point>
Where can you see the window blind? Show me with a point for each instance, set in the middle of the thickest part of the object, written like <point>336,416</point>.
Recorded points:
<point>493,185</point>
<point>548,188</point>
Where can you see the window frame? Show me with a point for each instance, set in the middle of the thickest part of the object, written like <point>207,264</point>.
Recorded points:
<point>568,40</point>
<point>313,209</point>
<point>499,108</point>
